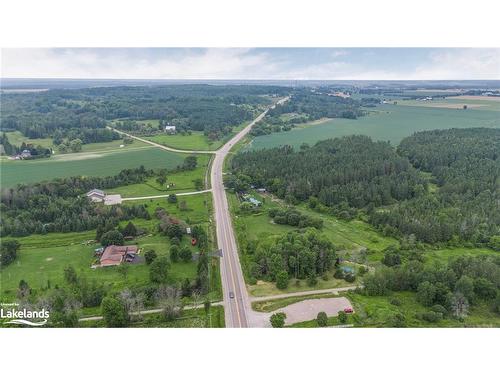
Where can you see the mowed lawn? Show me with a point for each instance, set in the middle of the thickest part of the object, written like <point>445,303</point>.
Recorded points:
<point>182,180</point>
<point>103,163</point>
<point>387,122</point>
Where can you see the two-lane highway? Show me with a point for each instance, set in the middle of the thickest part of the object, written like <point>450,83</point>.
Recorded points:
<point>236,301</point>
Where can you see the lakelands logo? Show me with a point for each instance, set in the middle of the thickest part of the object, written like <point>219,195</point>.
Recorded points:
<point>23,316</point>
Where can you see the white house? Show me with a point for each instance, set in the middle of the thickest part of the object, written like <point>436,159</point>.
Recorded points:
<point>96,195</point>
<point>170,129</point>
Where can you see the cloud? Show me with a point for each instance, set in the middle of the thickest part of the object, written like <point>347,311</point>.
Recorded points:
<point>239,63</point>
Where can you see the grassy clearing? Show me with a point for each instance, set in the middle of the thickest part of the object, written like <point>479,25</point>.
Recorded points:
<point>86,164</point>
<point>17,138</point>
<point>183,182</point>
<point>388,123</point>
<point>194,141</point>
<point>192,318</point>
<point>42,260</point>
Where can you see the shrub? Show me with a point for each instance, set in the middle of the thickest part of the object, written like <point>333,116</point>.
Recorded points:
<point>342,317</point>
<point>322,319</point>
<point>311,280</point>
<point>339,274</point>
<point>395,302</point>
<point>439,309</point>
<point>430,316</point>
<point>278,320</point>
<point>282,280</point>
<point>349,277</point>
<point>185,254</point>
<point>149,256</point>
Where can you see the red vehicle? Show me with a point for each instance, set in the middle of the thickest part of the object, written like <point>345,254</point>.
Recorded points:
<point>348,310</point>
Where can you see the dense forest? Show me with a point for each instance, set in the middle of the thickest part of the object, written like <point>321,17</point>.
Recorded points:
<point>465,166</point>
<point>83,113</point>
<point>303,255</point>
<point>353,175</point>
<point>354,170</point>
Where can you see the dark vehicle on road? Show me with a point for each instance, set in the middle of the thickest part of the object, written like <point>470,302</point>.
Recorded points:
<point>231,295</point>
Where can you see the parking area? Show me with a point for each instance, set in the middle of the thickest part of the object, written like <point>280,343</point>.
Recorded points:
<point>309,309</point>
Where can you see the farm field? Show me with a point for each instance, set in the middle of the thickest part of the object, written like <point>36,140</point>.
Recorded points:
<point>103,163</point>
<point>182,180</point>
<point>456,102</point>
<point>388,122</point>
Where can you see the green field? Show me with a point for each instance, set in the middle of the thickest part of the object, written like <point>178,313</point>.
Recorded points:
<point>104,163</point>
<point>183,182</point>
<point>387,122</point>
<point>17,138</point>
<point>195,141</point>
<point>42,259</point>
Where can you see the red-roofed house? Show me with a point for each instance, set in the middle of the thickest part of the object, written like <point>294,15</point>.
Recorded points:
<point>115,255</point>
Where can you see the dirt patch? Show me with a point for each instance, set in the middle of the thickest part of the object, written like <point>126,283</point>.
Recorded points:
<point>308,309</point>
<point>49,259</point>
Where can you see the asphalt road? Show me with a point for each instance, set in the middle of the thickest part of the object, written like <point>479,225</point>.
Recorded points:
<point>237,307</point>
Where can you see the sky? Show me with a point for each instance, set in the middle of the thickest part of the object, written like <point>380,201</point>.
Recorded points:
<point>253,63</point>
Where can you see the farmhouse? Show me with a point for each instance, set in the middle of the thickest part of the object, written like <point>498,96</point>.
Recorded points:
<point>170,129</point>
<point>96,195</point>
<point>115,255</point>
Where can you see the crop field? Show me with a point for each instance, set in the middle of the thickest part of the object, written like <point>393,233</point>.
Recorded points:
<point>388,122</point>
<point>183,182</point>
<point>104,163</point>
<point>457,102</point>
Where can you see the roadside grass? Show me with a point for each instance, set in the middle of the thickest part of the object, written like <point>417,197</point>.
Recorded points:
<point>14,172</point>
<point>182,180</point>
<point>113,145</point>
<point>265,288</point>
<point>388,122</point>
<point>192,318</point>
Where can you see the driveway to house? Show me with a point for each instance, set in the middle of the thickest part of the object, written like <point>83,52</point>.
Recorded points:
<point>166,195</point>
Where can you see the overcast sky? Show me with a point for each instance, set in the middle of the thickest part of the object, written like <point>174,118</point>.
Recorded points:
<point>254,63</point>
